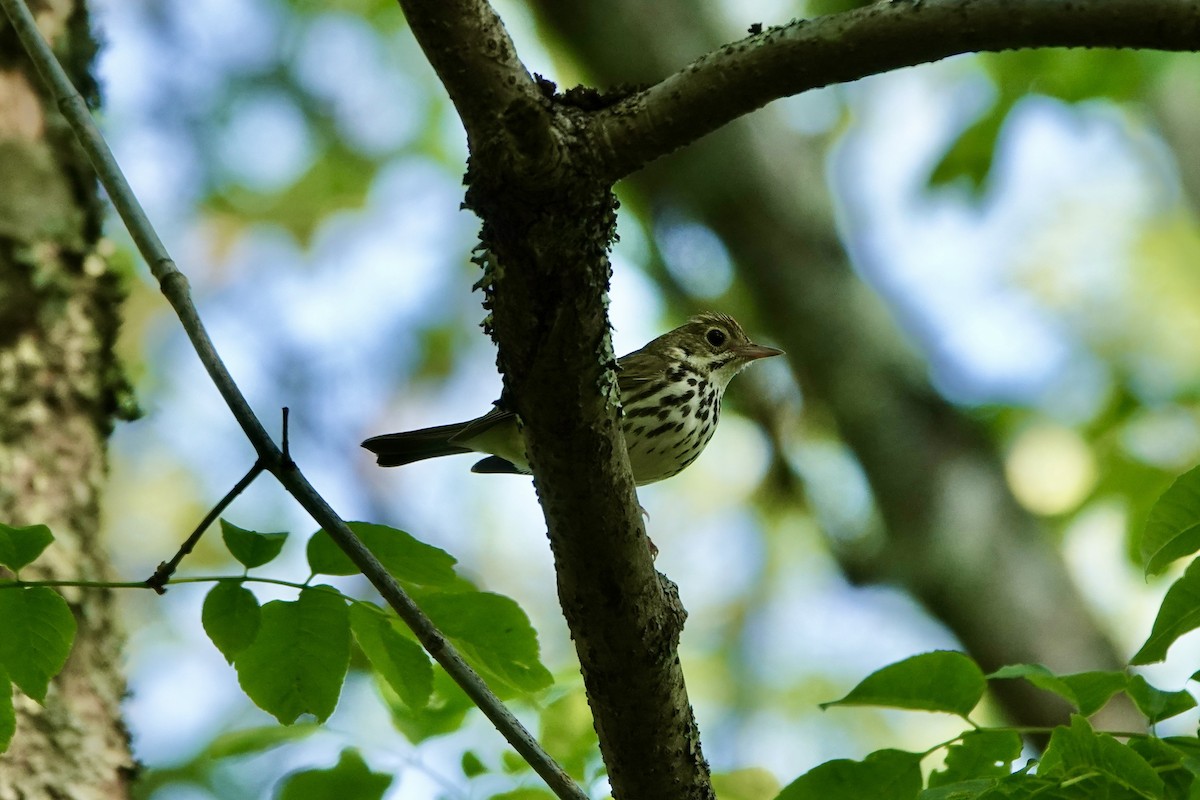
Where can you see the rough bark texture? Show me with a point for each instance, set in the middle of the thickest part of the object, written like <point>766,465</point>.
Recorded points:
<point>547,224</point>
<point>956,539</point>
<point>547,278</point>
<point>59,391</point>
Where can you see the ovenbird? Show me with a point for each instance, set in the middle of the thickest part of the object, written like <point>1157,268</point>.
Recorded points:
<point>670,396</point>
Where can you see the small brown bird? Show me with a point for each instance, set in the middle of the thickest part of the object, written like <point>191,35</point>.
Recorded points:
<point>670,395</point>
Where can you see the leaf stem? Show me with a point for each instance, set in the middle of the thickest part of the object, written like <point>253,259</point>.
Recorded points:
<point>19,584</point>
<point>940,745</point>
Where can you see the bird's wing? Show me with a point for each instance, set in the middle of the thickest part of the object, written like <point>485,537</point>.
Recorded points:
<point>481,425</point>
<point>639,368</point>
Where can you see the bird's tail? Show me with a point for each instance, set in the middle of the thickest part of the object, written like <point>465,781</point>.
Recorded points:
<point>397,449</point>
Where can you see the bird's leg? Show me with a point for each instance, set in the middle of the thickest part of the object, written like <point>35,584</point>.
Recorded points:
<point>649,541</point>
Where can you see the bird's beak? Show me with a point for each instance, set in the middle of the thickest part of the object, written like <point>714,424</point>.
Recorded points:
<point>753,352</point>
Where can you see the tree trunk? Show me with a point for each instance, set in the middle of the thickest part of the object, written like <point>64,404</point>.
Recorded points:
<point>60,388</point>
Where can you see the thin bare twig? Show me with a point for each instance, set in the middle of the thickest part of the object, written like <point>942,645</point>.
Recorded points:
<point>174,286</point>
<point>158,581</point>
<point>287,448</point>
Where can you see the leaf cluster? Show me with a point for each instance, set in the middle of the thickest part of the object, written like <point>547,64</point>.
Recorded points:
<point>36,627</point>
<point>1079,762</point>
<point>292,656</point>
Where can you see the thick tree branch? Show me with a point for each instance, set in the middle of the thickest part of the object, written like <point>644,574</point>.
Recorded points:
<point>175,287</point>
<point>475,59</point>
<point>807,54</point>
<point>548,272</point>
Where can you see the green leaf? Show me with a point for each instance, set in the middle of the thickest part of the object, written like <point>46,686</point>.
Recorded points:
<point>1187,746</point>
<point>512,763</point>
<point>1188,750</point>
<point>471,765</point>
<point>569,735</point>
<point>1173,527</point>
<point>494,633</point>
<point>1010,786</point>
<point>444,713</point>
<point>1178,614</point>
<point>959,790</point>
<point>883,775</point>
<point>251,548</point>
<point>231,617</point>
<point>8,715</point>
<point>408,559</point>
<point>943,680</point>
<point>298,661</point>
<point>20,546</point>
<point>751,783</point>
<point>398,660</point>
<point>1158,704</point>
<point>1087,691</point>
<point>979,754</point>
<point>1039,676</point>
<point>1080,755</point>
<point>1168,763</point>
<point>1094,689</point>
<point>351,779</point>
<point>249,741</point>
<point>524,793</point>
<point>1072,75</point>
<point>36,631</point>
<point>971,154</point>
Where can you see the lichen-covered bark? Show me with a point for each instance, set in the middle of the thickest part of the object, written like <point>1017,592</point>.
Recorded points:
<point>59,392</point>
<point>547,281</point>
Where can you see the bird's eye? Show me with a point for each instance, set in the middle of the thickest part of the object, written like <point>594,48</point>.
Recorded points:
<point>715,336</point>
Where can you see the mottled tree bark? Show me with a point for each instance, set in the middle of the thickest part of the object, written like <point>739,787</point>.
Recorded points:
<point>59,392</point>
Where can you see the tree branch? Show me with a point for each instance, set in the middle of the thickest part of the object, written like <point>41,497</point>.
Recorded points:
<point>474,58</point>
<point>175,286</point>
<point>808,54</point>
<point>549,269</point>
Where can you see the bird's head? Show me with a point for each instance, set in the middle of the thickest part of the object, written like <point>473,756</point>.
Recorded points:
<point>714,345</point>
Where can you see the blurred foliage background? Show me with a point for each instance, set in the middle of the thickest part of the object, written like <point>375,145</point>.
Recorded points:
<point>1023,231</point>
